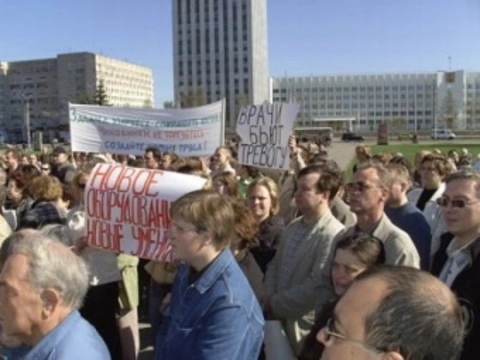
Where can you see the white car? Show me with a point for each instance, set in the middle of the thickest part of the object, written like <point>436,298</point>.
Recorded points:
<point>443,134</point>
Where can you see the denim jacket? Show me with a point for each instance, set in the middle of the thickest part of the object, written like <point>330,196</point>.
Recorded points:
<point>215,317</point>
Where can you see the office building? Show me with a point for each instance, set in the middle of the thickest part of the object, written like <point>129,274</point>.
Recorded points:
<point>220,51</point>
<point>36,93</point>
<point>406,101</point>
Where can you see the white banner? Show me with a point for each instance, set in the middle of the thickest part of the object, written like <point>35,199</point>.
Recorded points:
<point>187,132</point>
<point>128,209</point>
<point>264,131</point>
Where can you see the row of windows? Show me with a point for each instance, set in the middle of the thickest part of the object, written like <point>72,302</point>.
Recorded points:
<point>354,89</point>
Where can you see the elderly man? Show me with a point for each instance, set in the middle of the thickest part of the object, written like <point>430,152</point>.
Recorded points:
<point>457,262</point>
<point>394,313</point>
<point>42,285</point>
<point>368,193</point>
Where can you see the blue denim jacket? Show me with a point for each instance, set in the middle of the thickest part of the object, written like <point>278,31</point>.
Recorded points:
<point>216,317</point>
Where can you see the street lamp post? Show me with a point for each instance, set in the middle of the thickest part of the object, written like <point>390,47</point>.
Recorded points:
<point>27,119</point>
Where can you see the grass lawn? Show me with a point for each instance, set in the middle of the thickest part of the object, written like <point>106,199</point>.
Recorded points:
<point>409,150</point>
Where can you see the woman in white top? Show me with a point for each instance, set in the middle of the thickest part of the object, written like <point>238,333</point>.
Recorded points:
<point>434,168</point>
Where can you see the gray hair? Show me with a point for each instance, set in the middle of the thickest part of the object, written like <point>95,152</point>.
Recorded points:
<point>466,174</point>
<point>50,265</point>
<point>385,178</point>
<point>419,317</point>
<point>57,232</point>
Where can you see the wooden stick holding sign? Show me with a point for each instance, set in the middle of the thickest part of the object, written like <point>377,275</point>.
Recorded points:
<point>264,131</point>
<point>128,209</point>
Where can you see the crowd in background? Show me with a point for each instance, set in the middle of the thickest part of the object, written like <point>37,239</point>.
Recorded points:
<point>300,238</point>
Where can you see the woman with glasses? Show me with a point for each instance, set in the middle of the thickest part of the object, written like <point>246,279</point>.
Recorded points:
<point>353,255</point>
<point>213,312</point>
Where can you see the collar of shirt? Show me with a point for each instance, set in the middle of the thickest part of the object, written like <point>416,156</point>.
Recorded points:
<point>470,248</point>
<point>370,230</point>
<point>214,270</point>
<point>50,341</point>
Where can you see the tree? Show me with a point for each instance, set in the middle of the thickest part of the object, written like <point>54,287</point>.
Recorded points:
<point>241,100</point>
<point>192,97</point>
<point>85,99</point>
<point>101,94</point>
<point>168,105</point>
<point>450,110</point>
<point>147,103</point>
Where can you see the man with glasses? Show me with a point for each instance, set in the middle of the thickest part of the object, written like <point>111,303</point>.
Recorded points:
<point>457,261</point>
<point>367,194</point>
<point>395,313</point>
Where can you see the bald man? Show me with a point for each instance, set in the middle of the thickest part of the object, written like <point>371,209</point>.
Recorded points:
<point>394,313</point>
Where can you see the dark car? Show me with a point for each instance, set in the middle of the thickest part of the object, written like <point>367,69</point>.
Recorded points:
<point>349,136</point>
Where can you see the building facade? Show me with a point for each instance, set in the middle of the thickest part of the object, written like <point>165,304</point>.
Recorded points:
<point>36,93</point>
<point>220,51</point>
<point>406,101</point>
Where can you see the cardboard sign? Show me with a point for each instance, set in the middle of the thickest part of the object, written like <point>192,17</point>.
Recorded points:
<point>264,131</point>
<point>128,209</point>
<point>115,130</point>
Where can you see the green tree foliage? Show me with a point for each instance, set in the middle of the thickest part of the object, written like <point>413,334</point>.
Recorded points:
<point>192,97</point>
<point>101,94</point>
<point>450,111</point>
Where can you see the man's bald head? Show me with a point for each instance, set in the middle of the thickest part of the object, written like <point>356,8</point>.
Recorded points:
<point>418,316</point>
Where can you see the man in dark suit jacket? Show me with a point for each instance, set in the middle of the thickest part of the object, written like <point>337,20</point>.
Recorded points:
<point>457,262</point>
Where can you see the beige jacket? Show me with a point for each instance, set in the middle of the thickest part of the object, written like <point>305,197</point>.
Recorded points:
<point>295,306</point>
<point>399,250</point>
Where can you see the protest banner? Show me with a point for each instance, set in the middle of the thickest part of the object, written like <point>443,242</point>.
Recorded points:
<point>128,209</point>
<point>264,131</point>
<point>187,132</point>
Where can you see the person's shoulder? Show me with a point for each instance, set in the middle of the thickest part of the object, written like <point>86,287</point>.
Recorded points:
<point>82,342</point>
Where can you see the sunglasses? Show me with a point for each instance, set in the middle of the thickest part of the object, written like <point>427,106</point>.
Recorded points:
<point>45,168</point>
<point>455,203</point>
<point>82,185</point>
<point>359,186</point>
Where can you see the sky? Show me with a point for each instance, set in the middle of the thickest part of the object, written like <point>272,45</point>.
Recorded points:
<point>305,37</point>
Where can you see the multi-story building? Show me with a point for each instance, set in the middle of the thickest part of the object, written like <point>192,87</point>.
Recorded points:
<point>407,101</point>
<point>3,73</point>
<point>40,90</point>
<point>220,51</point>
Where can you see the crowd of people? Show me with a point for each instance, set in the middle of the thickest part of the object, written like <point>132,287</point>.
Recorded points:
<point>267,264</point>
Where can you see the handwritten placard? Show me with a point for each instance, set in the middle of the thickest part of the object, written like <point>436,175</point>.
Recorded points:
<point>264,131</point>
<point>106,129</point>
<point>128,209</point>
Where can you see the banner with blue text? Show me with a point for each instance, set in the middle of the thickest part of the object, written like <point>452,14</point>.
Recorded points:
<point>187,132</point>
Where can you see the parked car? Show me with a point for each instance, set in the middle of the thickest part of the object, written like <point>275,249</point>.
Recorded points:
<point>443,134</point>
<point>350,136</point>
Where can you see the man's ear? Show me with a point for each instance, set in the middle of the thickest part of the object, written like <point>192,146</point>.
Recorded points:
<point>50,299</point>
<point>392,355</point>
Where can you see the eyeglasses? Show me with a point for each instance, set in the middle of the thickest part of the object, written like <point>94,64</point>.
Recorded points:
<point>45,168</point>
<point>330,333</point>
<point>445,201</point>
<point>180,229</point>
<point>359,186</point>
